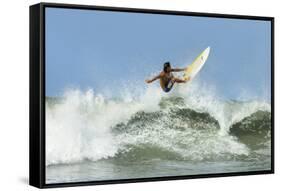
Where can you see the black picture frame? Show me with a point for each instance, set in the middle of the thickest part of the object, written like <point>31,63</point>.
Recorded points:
<point>37,94</point>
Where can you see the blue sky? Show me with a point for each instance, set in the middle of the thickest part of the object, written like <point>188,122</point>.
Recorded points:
<point>105,50</point>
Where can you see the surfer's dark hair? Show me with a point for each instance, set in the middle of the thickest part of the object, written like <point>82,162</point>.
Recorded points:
<point>166,66</point>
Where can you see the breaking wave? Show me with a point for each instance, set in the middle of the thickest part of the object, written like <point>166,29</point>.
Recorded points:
<point>190,124</point>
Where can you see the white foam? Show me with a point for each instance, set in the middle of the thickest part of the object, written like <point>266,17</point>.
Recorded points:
<point>79,127</point>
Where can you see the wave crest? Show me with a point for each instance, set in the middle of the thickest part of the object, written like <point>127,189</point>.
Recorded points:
<point>188,124</point>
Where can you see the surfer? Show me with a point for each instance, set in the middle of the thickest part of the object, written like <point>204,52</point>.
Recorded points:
<point>167,80</point>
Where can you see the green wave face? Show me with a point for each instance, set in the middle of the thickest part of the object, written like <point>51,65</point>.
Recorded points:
<point>254,130</point>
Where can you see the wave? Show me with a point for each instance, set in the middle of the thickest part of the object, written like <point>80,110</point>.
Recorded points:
<point>191,123</point>
<point>254,130</point>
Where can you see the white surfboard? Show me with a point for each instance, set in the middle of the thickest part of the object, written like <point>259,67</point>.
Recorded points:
<point>196,65</point>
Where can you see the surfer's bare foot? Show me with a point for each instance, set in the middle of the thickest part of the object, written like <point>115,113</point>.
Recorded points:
<point>187,79</point>
<point>177,80</point>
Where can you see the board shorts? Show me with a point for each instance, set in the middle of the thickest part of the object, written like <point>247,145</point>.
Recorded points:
<point>169,86</point>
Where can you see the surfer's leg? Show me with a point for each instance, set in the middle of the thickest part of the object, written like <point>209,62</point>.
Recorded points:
<point>178,80</point>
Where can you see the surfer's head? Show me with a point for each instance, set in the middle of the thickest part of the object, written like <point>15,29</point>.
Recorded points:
<point>167,67</point>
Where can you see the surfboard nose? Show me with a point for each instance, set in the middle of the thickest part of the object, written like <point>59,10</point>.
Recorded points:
<point>208,49</point>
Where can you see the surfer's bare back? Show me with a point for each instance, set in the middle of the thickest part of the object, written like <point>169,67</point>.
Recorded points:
<point>167,80</point>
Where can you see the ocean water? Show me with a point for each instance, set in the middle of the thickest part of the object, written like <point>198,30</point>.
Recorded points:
<point>151,134</point>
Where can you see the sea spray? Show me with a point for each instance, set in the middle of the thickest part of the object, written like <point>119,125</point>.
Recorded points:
<point>190,124</point>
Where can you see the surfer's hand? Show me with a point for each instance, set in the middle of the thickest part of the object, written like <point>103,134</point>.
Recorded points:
<point>148,81</point>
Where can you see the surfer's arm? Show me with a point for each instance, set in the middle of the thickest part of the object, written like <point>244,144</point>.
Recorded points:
<point>153,79</point>
<point>178,69</point>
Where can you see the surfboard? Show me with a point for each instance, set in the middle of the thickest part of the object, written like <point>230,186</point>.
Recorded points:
<point>196,65</point>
